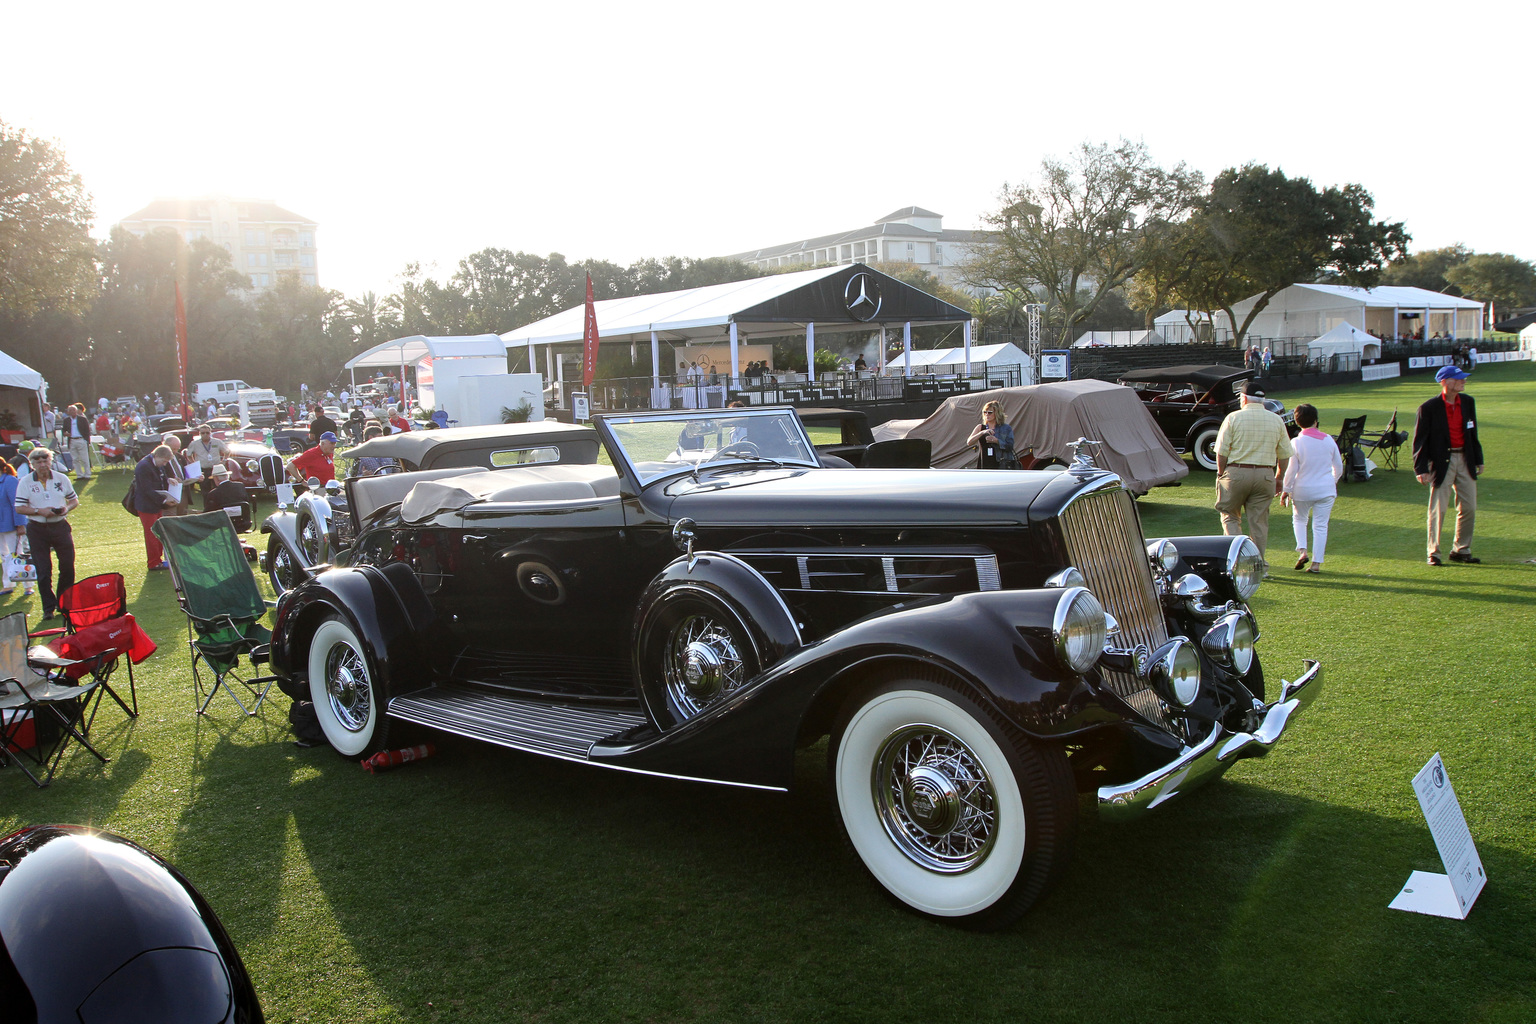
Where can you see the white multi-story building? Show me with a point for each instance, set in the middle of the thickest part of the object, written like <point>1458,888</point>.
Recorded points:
<point>263,239</point>
<point>909,235</point>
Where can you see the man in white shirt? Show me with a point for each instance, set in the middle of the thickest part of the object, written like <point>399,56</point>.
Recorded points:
<point>78,429</point>
<point>46,499</point>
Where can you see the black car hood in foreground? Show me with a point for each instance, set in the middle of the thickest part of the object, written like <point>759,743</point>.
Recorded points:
<point>910,497</point>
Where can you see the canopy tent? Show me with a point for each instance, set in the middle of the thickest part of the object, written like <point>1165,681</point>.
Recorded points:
<point>1118,339</point>
<point>1311,310</point>
<point>460,356</point>
<point>1184,327</point>
<point>1005,354</point>
<point>403,351</point>
<point>821,301</point>
<point>22,391</point>
<point>1345,339</point>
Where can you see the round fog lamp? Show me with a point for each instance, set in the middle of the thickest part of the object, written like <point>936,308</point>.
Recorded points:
<point>1179,673</point>
<point>1078,629</point>
<point>1230,641</point>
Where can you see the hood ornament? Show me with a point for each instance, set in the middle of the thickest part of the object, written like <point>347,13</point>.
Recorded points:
<point>1082,458</point>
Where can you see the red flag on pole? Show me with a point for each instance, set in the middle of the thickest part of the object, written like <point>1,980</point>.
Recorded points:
<point>181,348</point>
<point>589,340</point>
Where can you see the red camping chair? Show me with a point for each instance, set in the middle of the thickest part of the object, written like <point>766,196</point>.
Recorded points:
<point>98,631</point>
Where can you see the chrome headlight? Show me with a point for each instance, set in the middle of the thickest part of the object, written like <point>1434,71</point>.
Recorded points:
<point>1245,567</point>
<point>1163,554</point>
<point>1230,641</point>
<point>1078,629</point>
<point>1068,577</point>
<point>1175,672</point>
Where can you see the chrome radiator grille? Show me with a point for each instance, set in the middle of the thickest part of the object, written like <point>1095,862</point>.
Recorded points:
<point>1104,541</point>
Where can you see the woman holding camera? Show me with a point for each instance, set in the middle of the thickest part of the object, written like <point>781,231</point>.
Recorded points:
<point>46,498</point>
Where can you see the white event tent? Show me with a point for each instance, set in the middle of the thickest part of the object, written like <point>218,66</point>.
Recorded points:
<point>928,360</point>
<point>826,300</point>
<point>1345,339</point>
<point>1118,339</point>
<point>1311,310</point>
<point>22,391</point>
<point>435,358</point>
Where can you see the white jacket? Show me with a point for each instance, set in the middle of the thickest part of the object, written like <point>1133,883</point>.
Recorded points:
<point>1315,469</point>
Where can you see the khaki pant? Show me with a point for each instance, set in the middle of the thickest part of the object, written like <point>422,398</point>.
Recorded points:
<point>1458,478</point>
<point>1252,489</point>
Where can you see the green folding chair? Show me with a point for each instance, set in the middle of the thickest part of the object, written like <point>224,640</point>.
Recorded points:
<point>224,609</point>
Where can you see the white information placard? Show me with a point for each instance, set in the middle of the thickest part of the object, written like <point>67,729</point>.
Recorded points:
<point>1453,893</point>
<point>580,411</point>
<point>1055,365</point>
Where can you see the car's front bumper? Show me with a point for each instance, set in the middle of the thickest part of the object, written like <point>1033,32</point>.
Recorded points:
<point>1211,756</point>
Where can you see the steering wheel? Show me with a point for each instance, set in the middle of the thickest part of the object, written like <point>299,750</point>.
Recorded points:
<point>746,448</point>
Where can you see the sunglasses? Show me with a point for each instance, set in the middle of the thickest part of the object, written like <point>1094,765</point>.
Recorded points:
<point>41,458</point>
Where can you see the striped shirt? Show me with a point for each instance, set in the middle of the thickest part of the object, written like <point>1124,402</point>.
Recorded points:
<point>1253,435</point>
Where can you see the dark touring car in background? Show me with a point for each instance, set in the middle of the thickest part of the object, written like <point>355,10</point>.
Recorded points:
<point>1189,403</point>
<point>706,597</point>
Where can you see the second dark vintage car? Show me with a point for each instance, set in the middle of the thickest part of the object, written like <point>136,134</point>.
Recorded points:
<point>979,647</point>
<point>1189,403</point>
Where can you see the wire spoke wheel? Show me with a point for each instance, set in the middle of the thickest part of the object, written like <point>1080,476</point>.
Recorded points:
<point>341,685</point>
<point>935,799</point>
<point>956,814</point>
<point>702,661</point>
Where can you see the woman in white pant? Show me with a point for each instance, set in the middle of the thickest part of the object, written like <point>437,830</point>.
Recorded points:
<point>1311,483</point>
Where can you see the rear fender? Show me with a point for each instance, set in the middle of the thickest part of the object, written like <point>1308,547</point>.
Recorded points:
<point>996,646</point>
<point>385,607</point>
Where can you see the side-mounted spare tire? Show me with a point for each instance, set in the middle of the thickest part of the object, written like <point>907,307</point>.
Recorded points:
<point>703,631</point>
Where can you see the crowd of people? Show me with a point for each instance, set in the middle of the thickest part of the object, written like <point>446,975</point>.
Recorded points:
<point>37,494</point>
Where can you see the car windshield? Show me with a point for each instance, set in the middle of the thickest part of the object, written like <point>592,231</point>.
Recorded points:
<point>656,446</point>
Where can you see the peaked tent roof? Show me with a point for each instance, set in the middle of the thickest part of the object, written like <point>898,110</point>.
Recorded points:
<point>760,307</point>
<point>1388,296</point>
<point>419,346</point>
<point>16,374</point>
<point>1007,352</point>
<point>1346,337</point>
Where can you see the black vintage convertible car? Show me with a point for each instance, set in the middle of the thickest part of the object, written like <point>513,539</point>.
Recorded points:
<point>1189,403</point>
<point>979,646</point>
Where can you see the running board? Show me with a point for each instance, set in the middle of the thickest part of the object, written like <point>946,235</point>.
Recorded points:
<point>558,730</point>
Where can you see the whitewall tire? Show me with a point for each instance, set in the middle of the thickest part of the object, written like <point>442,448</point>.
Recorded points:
<point>341,686</point>
<point>952,815</point>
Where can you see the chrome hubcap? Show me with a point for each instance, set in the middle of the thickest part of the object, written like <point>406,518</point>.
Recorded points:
<point>935,799</point>
<point>702,664</point>
<point>346,687</point>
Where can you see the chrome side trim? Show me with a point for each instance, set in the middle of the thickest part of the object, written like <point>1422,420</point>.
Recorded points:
<point>1212,756</point>
<point>770,587</point>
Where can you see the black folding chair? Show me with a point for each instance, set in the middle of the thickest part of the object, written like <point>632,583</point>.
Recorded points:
<point>35,691</point>
<point>224,608</point>
<point>1386,442</point>
<point>1348,440</point>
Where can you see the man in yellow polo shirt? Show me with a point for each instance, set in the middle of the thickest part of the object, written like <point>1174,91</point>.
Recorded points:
<point>1252,451</point>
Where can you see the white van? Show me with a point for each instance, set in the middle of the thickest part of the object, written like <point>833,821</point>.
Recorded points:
<point>221,391</point>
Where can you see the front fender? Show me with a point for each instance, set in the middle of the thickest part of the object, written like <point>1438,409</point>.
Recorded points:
<point>995,645</point>
<point>385,607</point>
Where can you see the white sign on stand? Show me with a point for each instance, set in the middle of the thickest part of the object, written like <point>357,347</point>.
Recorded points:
<point>1055,365</point>
<point>580,411</point>
<point>1453,893</point>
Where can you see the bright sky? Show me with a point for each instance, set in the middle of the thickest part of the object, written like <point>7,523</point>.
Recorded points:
<point>618,131</point>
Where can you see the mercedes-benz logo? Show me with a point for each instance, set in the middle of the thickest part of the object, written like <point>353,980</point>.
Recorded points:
<point>862,296</point>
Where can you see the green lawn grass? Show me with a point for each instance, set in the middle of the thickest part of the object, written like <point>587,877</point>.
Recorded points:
<point>486,885</point>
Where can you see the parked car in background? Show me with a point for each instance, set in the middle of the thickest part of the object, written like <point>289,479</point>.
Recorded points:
<point>1188,404</point>
<point>705,598</point>
<point>319,526</point>
<point>153,431</point>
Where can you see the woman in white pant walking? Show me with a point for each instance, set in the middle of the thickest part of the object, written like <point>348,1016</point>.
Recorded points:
<point>1311,483</point>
